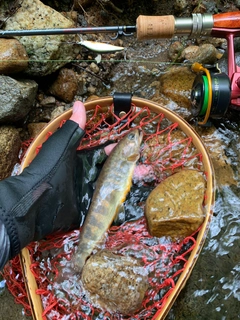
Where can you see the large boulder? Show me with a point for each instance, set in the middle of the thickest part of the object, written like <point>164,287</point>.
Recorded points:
<point>16,98</point>
<point>49,52</point>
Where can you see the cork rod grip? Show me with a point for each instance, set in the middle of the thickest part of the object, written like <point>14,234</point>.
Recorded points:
<point>154,27</point>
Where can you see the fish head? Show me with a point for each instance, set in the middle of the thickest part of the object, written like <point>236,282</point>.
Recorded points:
<point>131,145</point>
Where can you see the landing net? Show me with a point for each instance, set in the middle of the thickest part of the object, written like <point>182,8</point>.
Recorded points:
<point>165,150</point>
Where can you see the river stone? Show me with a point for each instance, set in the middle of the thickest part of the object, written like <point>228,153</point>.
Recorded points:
<point>66,85</point>
<point>10,144</point>
<point>57,112</point>
<point>205,54</point>
<point>16,98</point>
<point>35,128</point>
<point>175,207</point>
<point>48,102</point>
<point>180,5</point>
<point>13,56</point>
<point>188,53</point>
<point>174,51</point>
<point>33,14</point>
<point>115,283</point>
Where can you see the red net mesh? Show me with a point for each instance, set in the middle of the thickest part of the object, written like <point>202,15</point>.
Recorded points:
<point>165,150</point>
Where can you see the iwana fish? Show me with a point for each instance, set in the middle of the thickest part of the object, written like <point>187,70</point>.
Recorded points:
<point>112,187</point>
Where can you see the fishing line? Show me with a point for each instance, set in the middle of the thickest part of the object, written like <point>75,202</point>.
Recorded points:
<point>102,60</point>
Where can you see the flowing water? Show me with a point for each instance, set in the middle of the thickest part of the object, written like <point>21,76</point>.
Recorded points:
<point>213,290</point>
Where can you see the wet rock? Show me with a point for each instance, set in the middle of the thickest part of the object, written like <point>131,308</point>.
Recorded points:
<point>16,98</point>
<point>42,49</point>
<point>94,68</point>
<point>13,56</point>
<point>205,54</point>
<point>175,207</point>
<point>175,50</point>
<point>35,128</point>
<point>188,53</point>
<point>82,85</point>
<point>220,43</point>
<point>180,5</point>
<point>10,144</point>
<point>176,84</point>
<point>116,283</point>
<point>66,85</point>
<point>91,89</point>
<point>57,112</point>
<point>48,102</point>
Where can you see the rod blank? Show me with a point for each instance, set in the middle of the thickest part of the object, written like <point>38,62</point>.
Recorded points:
<point>39,32</point>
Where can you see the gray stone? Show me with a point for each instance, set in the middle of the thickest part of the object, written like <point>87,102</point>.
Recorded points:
<point>16,98</point>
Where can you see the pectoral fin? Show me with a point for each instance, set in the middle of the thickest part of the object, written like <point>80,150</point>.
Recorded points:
<point>133,157</point>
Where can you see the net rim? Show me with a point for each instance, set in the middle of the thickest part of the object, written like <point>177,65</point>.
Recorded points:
<point>30,283</point>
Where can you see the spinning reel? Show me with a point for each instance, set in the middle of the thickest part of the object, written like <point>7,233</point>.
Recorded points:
<point>213,91</point>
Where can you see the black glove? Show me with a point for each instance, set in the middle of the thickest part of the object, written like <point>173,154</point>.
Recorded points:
<point>52,194</point>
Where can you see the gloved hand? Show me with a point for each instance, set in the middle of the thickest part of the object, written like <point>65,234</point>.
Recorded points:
<point>53,193</point>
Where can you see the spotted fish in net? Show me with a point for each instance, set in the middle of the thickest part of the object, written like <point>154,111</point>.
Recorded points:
<point>112,187</point>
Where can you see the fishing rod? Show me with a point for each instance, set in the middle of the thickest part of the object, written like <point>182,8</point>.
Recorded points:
<point>212,91</point>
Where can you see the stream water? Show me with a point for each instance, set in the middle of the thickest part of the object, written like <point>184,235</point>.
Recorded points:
<point>213,290</point>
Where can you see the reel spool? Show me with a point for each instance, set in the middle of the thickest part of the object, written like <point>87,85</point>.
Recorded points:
<point>210,95</point>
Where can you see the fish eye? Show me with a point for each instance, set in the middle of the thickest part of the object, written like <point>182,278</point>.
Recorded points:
<point>131,136</point>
